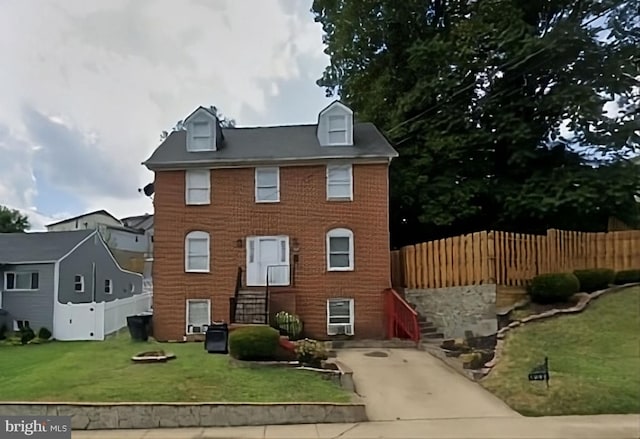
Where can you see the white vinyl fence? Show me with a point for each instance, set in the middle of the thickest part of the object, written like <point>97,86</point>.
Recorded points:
<point>93,321</point>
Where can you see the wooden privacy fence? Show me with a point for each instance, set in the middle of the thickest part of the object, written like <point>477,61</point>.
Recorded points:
<point>510,259</point>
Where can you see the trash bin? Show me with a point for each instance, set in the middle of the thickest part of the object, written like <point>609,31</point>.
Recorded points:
<point>217,338</point>
<point>148,322</point>
<point>137,325</point>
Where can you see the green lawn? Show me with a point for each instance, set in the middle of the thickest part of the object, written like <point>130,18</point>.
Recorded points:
<point>104,372</point>
<point>594,359</point>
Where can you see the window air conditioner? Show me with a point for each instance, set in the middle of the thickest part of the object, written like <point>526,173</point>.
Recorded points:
<point>340,329</point>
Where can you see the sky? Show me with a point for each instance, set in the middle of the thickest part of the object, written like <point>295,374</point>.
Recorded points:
<point>87,86</point>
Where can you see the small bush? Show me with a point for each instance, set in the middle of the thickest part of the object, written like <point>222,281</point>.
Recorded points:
<point>553,287</point>
<point>26,334</point>
<point>254,343</point>
<point>594,279</point>
<point>288,324</point>
<point>626,277</point>
<point>311,352</point>
<point>3,332</point>
<point>44,334</point>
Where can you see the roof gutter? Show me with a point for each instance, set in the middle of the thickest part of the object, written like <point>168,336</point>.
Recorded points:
<point>247,163</point>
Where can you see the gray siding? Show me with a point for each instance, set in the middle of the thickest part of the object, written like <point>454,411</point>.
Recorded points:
<point>81,262</point>
<point>33,306</point>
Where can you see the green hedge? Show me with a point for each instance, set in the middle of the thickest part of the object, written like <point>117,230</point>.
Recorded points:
<point>254,343</point>
<point>594,279</point>
<point>627,277</point>
<point>553,287</point>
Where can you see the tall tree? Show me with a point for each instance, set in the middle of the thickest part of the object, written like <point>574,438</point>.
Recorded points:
<point>12,221</point>
<point>508,114</point>
<point>224,121</point>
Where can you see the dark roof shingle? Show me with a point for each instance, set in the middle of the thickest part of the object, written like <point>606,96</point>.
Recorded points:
<point>280,143</point>
<point>38,247</point>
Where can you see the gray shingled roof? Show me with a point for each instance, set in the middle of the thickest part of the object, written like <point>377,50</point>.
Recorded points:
<point>38,247</point>
<point>281,143</point>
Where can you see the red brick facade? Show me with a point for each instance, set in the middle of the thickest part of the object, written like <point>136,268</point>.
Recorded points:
<point>303,214</point>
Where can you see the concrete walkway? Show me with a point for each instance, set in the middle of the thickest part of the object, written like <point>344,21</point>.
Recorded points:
<point>566,427</point>
<point>405,384</point>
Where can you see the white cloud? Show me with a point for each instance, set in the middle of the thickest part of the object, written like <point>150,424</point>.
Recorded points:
<point>87,86</point>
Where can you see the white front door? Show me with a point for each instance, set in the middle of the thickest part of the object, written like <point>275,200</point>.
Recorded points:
<point>267,255</point>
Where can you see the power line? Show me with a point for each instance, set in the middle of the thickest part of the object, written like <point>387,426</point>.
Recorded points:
<point>504,67</point>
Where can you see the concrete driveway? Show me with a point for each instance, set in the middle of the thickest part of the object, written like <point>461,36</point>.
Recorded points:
<point>407,384</point>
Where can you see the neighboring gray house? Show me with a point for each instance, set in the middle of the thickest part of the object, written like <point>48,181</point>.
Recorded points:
<point>67,282</point>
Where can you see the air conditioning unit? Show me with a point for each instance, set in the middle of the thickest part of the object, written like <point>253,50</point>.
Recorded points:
<point>340,329</point>
<point>195,329</point>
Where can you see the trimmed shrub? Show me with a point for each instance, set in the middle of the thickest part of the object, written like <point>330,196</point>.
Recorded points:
<point>26,334</point>
<point>254,343</point>
<point>288,324</point>
<point>311,352</point>
<point>594,279</point>
<point>44,333</point>
<point>626,277</point>
<point>553,287</point>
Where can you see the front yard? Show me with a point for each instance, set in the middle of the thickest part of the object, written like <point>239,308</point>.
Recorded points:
<point>104,372</point>
<point>594,361</point>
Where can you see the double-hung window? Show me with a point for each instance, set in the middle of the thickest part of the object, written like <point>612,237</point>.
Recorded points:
<point>198,186</point>
<point>340,250</point>
<point>337,130</point>
<point>339,182</point>
<point>198,315</point>
<point>78,283</point>
<point>267,185</point>
<point>340,316</point>
<point>196,257</point>
<point>201,136</point>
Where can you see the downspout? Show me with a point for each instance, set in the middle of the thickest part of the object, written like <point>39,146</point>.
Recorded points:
<point>93,282</point>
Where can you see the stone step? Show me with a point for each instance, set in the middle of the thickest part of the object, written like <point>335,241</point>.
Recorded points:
<point>434,335</point>
<point>428,329</point>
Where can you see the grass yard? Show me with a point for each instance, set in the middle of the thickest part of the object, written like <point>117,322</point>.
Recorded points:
<point>104,372</point>
<point>594,361</point>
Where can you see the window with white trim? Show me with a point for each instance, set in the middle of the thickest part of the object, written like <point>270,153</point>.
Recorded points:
<point>337,130</point>
<point>200,134</point>
<point>108,286</point>
<point>21,281</point>
<point>339,182</point>
<point>198,315</point>
<point>198,186</point>
<point>267,185</point>
<point>78,283</point>
<point>196,252</point>
<point>340,316</point>
<point>340,250</point>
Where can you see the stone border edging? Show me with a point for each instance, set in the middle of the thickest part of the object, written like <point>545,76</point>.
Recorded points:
<point>583,300</point>
<point>143,415</point>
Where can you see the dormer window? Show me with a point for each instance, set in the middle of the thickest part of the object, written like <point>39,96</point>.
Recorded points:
<point>201,136</point>
<point>337,130</point>
<point>203,133</point>
<point>335,125</point>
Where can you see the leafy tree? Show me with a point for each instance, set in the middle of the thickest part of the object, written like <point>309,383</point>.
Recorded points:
<point>12,221</point>
<point>224,121</point>
<point>497,108</point>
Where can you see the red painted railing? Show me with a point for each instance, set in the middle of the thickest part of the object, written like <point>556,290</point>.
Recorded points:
<point>402,320</point>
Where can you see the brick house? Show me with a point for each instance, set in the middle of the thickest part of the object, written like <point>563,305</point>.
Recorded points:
<point>299,211</point>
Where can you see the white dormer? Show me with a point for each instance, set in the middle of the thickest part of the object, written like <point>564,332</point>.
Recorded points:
<point>335,125</point>
<point>202,131</point>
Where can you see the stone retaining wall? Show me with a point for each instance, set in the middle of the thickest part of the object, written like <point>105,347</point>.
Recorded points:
<point>101,416</point>
<point>455,310</point>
